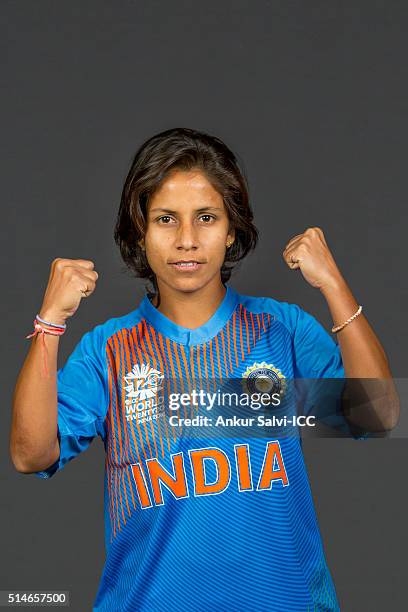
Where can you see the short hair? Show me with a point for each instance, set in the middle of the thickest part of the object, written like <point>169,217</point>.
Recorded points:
<point>183,149</point>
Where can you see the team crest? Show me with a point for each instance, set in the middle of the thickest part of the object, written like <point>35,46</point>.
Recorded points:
<point>263,378</point>
<point>142,385</point>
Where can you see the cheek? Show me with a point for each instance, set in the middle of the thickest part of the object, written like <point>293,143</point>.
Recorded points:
<point>156,241</point>
<point>216,241</point>
<point>152,249</point>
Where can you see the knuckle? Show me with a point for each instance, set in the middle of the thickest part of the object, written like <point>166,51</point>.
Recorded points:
<point>72,275</point>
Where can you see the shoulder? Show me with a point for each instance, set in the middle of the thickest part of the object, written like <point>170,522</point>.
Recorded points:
<point>316,355</point>
<point>96,339</point>
<point>292,316</point>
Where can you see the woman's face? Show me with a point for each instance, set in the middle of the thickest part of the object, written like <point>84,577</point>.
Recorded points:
<point>186,221</point>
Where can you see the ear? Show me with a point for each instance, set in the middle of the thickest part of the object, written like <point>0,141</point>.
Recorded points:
<point>231,235</point>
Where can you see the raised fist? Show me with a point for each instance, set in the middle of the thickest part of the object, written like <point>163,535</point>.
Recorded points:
<point>70,280</point>
<point>309,253</point>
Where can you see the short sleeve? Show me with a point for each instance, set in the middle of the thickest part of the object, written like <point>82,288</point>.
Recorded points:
<point>82,399</point>
<point>319,362</point>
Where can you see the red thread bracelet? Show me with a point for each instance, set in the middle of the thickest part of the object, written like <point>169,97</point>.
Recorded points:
<point>42,329</point>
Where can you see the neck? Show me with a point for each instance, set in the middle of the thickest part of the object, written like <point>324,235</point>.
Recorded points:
<point>193,308</point>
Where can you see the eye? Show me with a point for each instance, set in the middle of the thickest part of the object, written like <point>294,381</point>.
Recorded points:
<point>210,217</point>
<point>164,217</point>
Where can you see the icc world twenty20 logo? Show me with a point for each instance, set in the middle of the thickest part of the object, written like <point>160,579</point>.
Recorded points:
<point>142,384</point>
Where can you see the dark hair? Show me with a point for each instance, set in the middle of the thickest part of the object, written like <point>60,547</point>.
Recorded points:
<point>184,149</point>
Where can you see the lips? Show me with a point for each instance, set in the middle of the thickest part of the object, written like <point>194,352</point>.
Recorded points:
<point>186,265</point>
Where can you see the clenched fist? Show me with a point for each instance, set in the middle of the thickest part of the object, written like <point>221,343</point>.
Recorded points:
<point>70,280</point>
<point>309,253</point>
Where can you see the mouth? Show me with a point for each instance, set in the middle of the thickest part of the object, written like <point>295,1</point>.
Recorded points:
<point>186,265</point>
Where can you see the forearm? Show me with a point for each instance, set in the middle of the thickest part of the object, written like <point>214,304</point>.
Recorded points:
<point>362,353</point>
<point>33,436</point>
<point>34,431</point>
<point>374,403</point>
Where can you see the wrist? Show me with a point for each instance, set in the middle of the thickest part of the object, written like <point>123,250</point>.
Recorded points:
<point>335,284</point>
<point>52,317</point>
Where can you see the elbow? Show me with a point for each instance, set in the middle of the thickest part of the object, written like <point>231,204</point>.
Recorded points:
<point>391,418</point>
<point>16,457</point>
<point>19,453</point>
<point>23,468</point>
<point>374,404</point>
<point>27,463</point>
<point>20,464</point>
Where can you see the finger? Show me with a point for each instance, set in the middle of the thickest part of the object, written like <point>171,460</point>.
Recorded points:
<point>294,238</point>
<point>84,263</point>
<point>85,284</point>
<point>292,251</point>
<point>86,292</point>
<point>292,258</point>
<point>87,288</point>
<point>293,242</point>
<point>293,266</point>
<point>91,274</point>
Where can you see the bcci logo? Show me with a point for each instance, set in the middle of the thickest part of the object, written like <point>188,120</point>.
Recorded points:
<point>263,378</point>
<point>142,385</point>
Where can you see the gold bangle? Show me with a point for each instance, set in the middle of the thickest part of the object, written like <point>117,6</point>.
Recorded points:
<point>339,327</point>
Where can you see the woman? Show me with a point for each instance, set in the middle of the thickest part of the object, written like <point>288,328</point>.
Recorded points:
<point>193,522</point>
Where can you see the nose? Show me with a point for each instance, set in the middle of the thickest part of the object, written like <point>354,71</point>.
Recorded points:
<point>186,237</point>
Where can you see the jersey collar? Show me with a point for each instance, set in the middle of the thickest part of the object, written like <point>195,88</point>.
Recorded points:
<point>187,336</point>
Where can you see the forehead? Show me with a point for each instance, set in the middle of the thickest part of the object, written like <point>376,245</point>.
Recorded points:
<point>184,186</point>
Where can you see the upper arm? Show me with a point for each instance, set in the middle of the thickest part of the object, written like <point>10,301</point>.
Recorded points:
<point>319,362</point>
<point>82,395</point>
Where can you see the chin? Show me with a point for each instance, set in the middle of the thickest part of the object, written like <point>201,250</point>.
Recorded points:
<point>187,285</point>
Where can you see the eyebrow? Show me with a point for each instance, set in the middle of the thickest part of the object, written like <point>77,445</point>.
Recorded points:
<point>168,210</point>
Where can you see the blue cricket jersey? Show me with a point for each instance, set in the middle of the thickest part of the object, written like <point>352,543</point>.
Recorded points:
<point>194,523</point>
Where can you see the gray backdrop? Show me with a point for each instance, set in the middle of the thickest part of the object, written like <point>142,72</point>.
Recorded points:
<point>312,96</point>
